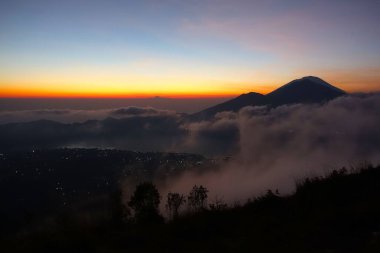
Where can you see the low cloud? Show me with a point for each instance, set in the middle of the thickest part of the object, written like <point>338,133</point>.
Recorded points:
<point>134,111</point>
<point>277,147</point>
<point>270,148</point>
<point>71,116</point>
<point>214,137</point>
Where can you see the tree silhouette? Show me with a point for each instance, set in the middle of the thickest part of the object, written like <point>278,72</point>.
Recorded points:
<point>197,199</point>
<point>218,205</point>
<point>119,212</point>
<point>144,202</point>
<point>173,204</point>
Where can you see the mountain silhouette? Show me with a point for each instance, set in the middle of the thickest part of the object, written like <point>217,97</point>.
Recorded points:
<point>308,89</point>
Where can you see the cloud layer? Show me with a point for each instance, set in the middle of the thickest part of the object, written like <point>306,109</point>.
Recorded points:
<point>71,116</point>
<point>270,148</point>
<point>280,146</point>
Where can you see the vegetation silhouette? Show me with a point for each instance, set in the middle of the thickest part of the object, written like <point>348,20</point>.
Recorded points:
<point>335,213</point>
<point>145,202</point>
<point>218,205</point>
<point>120,213</point>
<point>197,199</point>
<point>174,203</point>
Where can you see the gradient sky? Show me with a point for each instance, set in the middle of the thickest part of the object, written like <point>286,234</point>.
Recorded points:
<point>185,48</point>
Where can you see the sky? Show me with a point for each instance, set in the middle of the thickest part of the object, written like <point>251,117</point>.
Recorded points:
<point>174,48</point>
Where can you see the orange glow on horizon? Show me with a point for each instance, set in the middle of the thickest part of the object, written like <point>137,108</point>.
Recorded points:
<point>95,90</point>
<point>185,91</point>
<point>129,96</point>
<point>34,93</point>
<point>66,94</point>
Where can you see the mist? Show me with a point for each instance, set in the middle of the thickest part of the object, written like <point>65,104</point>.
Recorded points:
<point>182,105</point>
<point>269,148</point>
<point>276,148</point>
<point>79,116</point>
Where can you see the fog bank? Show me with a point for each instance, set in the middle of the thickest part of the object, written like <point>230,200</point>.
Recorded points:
<point>277,147</point>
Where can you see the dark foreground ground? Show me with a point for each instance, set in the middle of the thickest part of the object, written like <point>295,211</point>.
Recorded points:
<point>338,213</point>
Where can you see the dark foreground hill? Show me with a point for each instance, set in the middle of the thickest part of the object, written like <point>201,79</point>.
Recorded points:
<point>40,183</point>
<point>308,89</point>
<point>338,213</point>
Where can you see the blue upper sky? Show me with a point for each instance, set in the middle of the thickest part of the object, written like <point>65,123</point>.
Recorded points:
<point>177,47</point>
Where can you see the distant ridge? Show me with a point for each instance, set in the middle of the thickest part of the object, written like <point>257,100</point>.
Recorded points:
<point>234,104</point>
<point>309,89</point>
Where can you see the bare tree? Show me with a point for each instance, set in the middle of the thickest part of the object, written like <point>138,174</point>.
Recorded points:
<point>218,204</point>
<point>197,199</point>
<point>173,204</point>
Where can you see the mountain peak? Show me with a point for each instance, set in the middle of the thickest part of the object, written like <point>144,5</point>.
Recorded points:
<point>251,93</point>
<point>308,89</point>
<point>319,81</point>
<point>311,81</point>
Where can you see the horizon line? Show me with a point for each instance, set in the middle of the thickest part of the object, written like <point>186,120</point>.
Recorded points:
<point>137,96</point>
